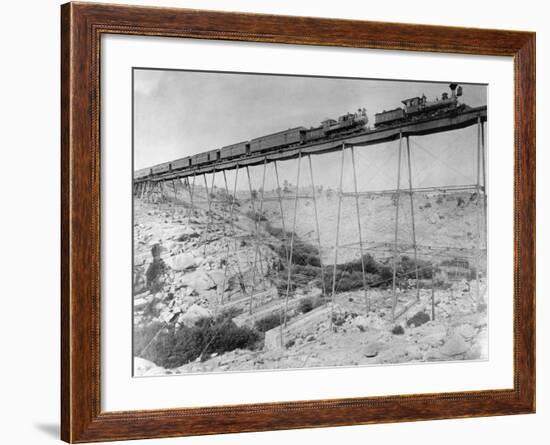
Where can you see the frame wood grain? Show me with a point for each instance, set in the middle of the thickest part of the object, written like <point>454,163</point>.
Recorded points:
<point>82,26</point>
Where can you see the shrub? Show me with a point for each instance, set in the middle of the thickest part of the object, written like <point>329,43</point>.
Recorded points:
<point>398,330</point>
<point>338,319</point>
<point>418,319</point>
<point>256,215</point>
<point>156,274</point>
<point>305,305</point>
<point>308,304</point>
<point>267,323</point>
<point>175,347</point>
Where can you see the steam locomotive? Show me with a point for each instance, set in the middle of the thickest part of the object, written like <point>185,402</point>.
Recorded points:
<point>419,108</point>
<point>416,109</point>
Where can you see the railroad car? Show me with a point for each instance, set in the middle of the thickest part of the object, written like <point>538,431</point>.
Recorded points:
<point>214,155</point>
<point>234,150</point>
<point>181,163</point>
<point>161,168</point>
<point>280,139</point>
<point>142,173</point>
<point>201,158</point>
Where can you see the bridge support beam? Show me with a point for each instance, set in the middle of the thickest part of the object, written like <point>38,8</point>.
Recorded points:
<point>256,228</point>
<point>367,301</point>
<point>191,189</point>
<point>209,203</point>
<point>314,194</point>
<point>395,253</point>
<point>292,236</point>
<point>340,196</point>
<point>412,220</point>
<point>481,211</point>
<point>257,216</point>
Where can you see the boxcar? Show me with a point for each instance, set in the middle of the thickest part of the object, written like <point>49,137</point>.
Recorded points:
<point>234,150</point>
<point>181,163</point>
<point>389,117</point>
<point>143,173</point>
<point>201,158</point>
<point>161,168</point>
<point>279,139</point>
<point>214,155</point>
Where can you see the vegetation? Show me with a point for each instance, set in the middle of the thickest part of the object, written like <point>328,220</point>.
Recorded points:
<point>418,319</point>
<point>308,304</point>
<point>171,347</point>
<point>398,330</point>
<point>256,215</point>
<point>267,323</point>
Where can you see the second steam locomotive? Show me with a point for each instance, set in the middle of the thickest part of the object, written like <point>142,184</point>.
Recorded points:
<point>415,109</point>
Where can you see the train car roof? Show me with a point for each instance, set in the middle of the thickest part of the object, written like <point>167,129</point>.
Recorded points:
<point>236,143</point>
<point>278,132</point>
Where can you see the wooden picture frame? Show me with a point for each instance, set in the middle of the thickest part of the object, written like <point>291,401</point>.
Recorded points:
<point>82,25</point>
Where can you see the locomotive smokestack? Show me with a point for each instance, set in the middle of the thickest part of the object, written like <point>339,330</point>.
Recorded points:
<point>453,86</point>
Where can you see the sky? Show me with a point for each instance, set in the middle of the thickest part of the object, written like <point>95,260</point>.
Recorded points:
<point>181,113</point>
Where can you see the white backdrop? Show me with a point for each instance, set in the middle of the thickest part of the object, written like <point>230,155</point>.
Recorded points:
<point>30,143</point>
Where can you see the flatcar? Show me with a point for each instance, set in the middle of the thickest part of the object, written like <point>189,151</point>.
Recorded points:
<point>419,108</point>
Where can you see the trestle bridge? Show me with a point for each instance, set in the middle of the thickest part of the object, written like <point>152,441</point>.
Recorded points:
<point>145,187</point>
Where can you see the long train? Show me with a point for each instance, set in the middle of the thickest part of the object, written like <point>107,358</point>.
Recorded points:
<point>414,110</point>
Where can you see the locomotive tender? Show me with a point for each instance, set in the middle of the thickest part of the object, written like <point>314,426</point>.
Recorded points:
<point>415,109</point>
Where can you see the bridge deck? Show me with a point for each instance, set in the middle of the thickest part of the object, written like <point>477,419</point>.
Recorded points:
<point>368,137</point>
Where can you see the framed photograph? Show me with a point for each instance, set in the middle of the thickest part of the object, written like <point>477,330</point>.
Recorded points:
<point>274,222</point>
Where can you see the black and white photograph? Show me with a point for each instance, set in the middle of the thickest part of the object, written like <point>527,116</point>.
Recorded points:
<point>287,222</point>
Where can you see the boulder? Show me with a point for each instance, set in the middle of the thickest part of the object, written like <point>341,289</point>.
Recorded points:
<point>454,345</point>
<point>198,280</point>
<point>361,322</point>
<point>141,366</point>
<point>414,352</point>
<point>183,261</point>
<point>140,303</point>
<point>218,277</point>
<point>157,370</point>
<point>193,314</point>
<point>466,331</point>
<point>372,349</point>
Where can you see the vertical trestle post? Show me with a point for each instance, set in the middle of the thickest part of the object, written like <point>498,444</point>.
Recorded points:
<point>397,199</point>
<point>367,302</point>
<point>411,199</point>
<point>314,194</point>
<point>289,276</point>
<point>336,242</point>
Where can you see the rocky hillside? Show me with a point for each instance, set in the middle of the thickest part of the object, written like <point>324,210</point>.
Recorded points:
<point>210,292</point>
